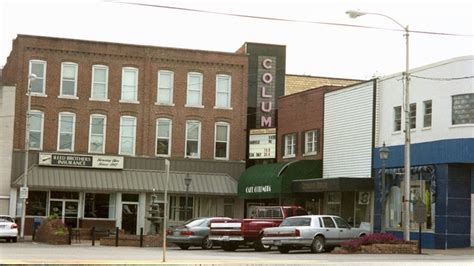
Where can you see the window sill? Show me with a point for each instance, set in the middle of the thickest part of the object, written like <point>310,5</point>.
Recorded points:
<point>163,155</point>
<point>194,106</point>
<point>426,128</point>
<point>58,150</point>
<point>223,108</point>
<point>191,157</point>
<point>461,125</point>
<point>289,156</point>
<point>165,104</point>
<point>221,159</point>
<point>34,94</point>
<point>310,154</point>
<point>129,101</point>
<point>68,97</point>
<point>396,132</point>
<point>99,100</point>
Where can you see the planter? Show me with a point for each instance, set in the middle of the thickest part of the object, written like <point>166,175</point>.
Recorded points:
<point>52,232</point>
<point>409,248</point>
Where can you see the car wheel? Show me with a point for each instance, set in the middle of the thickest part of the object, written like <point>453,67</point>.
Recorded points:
<point>229,246</point>
<point>183,246</point>
<point>259,246</point>
<point>318,244</point>
<point>283,249</point>
<point>207,243</point>
<point>15,239</point>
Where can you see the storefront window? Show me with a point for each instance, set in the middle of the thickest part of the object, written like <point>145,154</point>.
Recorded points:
<point>177,208</point>
<point>99,205</point>
<point>229,207</point>
<point>420,190</point>
<point>333,200</point>
<point>36,203</point>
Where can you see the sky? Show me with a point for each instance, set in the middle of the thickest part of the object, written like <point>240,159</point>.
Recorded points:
<point>311,48</point>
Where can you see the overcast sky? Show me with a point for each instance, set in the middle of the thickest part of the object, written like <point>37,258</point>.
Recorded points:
<point>312,49</point>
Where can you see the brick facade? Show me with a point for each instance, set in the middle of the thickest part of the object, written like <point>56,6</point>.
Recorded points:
<point>149,60</point>
<point>299,83</point>
<point>299,113</point>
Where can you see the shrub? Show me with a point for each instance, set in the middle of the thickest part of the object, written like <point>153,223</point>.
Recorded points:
<point>376,238</point>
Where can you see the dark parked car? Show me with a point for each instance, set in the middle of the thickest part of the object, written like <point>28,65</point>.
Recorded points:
<point>194,232</point>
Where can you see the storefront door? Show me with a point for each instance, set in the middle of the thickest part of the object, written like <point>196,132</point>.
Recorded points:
<point>129,217</point>
<point>66,210</point>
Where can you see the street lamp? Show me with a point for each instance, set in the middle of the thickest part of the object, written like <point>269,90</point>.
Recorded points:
<point>384,152</point>
<point>406,107</point>
<point>24,189</point>
<point>187,182</point>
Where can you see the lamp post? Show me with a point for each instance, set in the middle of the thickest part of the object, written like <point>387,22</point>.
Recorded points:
<point>187,182</point>
<point>406,107</point>
<point>384,152</point>
<point>165,215</point>
<point>24,189</point>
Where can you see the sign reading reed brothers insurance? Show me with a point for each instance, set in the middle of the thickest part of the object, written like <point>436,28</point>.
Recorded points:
<point>85,161</point>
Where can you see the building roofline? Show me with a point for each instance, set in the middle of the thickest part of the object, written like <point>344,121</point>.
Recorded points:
<point>429,66</point>
<point>128,44</point>
<point>309,76</point>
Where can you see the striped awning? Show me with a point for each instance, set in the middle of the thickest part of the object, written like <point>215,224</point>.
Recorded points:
<point>78,179</point>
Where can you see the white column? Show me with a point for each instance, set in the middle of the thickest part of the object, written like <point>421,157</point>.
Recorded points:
<point>141,212</point>
<point>13,199</point>
<point>118,210</point>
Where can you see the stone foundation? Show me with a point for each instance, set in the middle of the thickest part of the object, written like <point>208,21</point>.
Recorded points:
<point>411,248</point>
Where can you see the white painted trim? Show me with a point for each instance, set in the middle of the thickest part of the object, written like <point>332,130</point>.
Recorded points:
<point>106,68</point>
<point>171,73</point>
<point>186,140</point>
<point>68,97</point>
<point>76,67</point>
<point>73,131</point>
<point>104,132</point>
<point>229,97</point>
<point>41,130</point>
<point>200,89</point>
<point>227,140</point>
<point>44,76</point>
<point>170,132</point>
<point>118,210</point>
<point>285,152</point>
<point>127,69</point>
<point>134,135</point>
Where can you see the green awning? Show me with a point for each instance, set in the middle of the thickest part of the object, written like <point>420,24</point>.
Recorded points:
<point>265,181</point>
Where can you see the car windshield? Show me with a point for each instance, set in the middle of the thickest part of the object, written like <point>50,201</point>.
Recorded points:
<point>297,222</point>
<point>6,219</point>
<point>196,222</point>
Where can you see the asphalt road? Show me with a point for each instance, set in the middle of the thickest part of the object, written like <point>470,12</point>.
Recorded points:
<point>84,253</point>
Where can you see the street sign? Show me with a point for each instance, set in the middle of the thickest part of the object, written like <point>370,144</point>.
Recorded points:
<point>419,212</point>
<point>23,192</point>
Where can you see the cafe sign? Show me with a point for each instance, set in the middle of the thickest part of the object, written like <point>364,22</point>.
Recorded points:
<point>258,189</point>
<point>82,161</point>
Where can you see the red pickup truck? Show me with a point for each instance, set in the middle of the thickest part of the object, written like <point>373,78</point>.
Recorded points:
<point>232,233</point>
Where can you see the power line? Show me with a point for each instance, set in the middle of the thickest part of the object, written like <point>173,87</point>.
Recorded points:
<point>442,79</point>
<point>289,20</point>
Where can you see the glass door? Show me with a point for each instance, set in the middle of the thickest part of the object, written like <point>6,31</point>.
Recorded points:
<point>129,218</point>
<point>56,208</point>
<point>70,213</point>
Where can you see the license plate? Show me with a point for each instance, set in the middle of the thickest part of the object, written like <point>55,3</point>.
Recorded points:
<point>277,242</point>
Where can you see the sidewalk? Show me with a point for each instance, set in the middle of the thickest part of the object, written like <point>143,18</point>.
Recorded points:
<point>451,251</point>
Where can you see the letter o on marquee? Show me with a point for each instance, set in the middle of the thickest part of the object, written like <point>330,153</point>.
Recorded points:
<point>267,78</point>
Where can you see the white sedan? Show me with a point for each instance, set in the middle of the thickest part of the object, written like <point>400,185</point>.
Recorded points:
<point>318,232</point>
<point>8,228</point>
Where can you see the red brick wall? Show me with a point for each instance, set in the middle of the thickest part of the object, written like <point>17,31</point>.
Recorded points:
<point>148,60</point>
<point>298,113</point>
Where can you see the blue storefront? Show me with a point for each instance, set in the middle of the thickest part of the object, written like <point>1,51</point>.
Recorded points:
<point>442,177</point>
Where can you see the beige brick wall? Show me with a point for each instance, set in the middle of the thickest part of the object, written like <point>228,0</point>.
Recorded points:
<point>298,83</point>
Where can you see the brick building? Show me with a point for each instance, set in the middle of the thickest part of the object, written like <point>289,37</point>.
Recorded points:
<point>94,103</point>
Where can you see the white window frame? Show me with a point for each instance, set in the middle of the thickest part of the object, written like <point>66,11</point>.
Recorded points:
<point>106,83</point>
<point>44,63</point>
<point>103,134</point>
<point>287,153</point>
<point>227,142</point>
<point>170,102</point>
<point>134,135</point>
<point>76,67</point>
<point>395,119</point>
<point>425,114</point>
<point>314,141</point>
<point>73,131</point>
<point>199,105</point>
<point>229,92</point>
<point>198,140</point>
<point>135,99</point>
<point>41,129</point>
<point>170,131</point>
<point>413,116</point>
